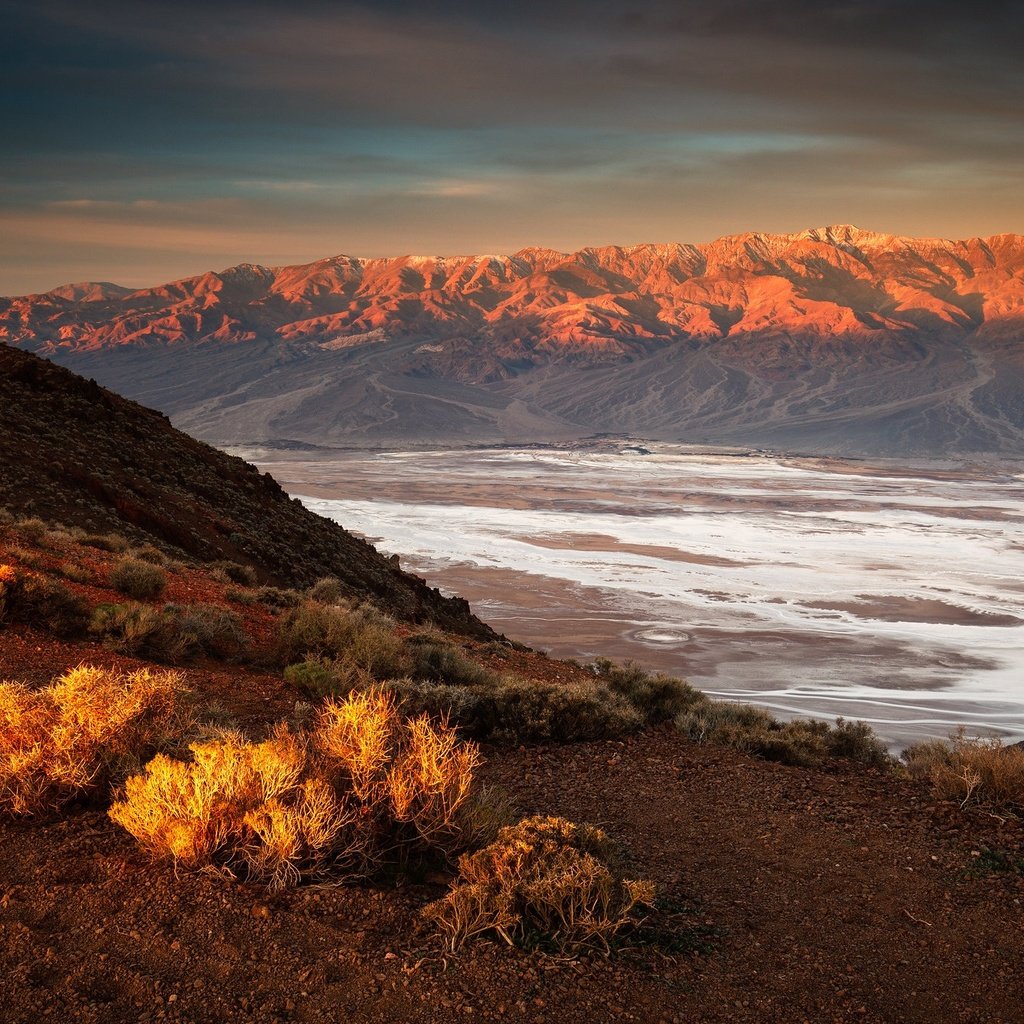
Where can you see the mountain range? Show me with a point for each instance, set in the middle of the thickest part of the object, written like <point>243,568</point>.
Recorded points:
<point>833,339</point>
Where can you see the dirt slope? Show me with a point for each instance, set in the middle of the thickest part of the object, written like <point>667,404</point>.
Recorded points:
<point>73,452</point>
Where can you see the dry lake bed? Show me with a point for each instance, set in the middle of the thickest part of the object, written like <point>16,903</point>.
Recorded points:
<point>808,586</point>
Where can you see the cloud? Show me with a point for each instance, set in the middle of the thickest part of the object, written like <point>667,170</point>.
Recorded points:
<point>487,126</point>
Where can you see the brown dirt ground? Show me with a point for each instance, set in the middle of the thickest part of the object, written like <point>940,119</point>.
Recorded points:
<point>827,895</point>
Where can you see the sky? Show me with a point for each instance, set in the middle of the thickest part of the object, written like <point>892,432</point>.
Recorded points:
<point>148,141</point>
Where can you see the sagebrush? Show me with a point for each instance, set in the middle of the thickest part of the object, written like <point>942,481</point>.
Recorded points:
<point>82,733</point>
<point>363,786</point>
<point>545,881</point>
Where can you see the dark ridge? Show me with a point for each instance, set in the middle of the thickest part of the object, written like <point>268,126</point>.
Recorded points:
<point>73,452</point>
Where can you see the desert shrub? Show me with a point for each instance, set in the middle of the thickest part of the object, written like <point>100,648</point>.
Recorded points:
<point>439,660</point>
<point>209,629</point>
<point>171,634</point>
<point>800,742</point>
<point>42,603</point>
<point>657,697</point>
<point>314,629</point>
<point>362,636</point>
<point>467,709</point>
<point>967,769</point>
<point>488,810</point>
<point>361,786</point>
<point>320,677</point>
<point>81,733</point>
<point>327,590</point>
<point>33,530</point>
<point>26,556</point>
<point>544,881</point>
<point>77,573</point>
<point>857,741</point>
<point>232,572</point>
<point>149,553</point>
<point>520,710</point>
<point>239,596</point>
<point>135,578</point>
<point>274,597</point>
<point>375,648</point>
<point>139,630</point>
<point>113,542</point>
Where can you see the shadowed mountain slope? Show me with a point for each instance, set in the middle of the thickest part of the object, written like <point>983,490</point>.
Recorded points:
<point>831,339</point>
<point>76,453</point>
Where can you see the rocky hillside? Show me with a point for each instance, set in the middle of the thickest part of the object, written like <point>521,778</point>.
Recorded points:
<point>831,339</point>
<point>73,452</point>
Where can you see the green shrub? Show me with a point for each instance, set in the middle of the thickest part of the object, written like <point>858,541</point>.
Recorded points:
<point>139,630</point>
<point>800,742</point>
<point>34,530</point>
<point>171,634</point>
<point>519,711</point>
<point>232,572</point>
<point>656,697</point>
<point>857,741</point>
<point>362,636</point>
<point>77,573</point>
<point>274,597</point>
<point>209,629</point>
<point>149,553</point>
<point>317,676</point>
<point>135,578</point>
<point>442,661</point>
<point>113,542</point>
<point>312,629</point>
<point>28,558</point>
<point>41,603</point>
<point>327,590</point>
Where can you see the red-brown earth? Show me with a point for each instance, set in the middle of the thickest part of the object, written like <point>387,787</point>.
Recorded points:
<point>832,894</point>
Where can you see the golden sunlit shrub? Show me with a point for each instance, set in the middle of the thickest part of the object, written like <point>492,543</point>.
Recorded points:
<point>967,769</point>
<point>136,578</point>
<point>543,881</point>
<point>361,785</point>
<point>81,733</point>
<point>253,807</point>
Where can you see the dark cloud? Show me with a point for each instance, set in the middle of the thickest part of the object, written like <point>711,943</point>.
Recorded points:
<point>393,126</point>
